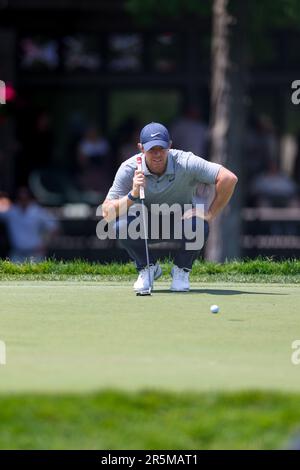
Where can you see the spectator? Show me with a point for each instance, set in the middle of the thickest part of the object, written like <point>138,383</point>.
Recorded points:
<point>94,149</point>
<point>93,159</point>
<point>29,227</point>
<point>273,188</point>
<point>190,133</point>
<point>261,146</point>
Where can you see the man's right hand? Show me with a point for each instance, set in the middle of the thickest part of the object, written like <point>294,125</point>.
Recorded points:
<point>138,181</point>
<point>109,210</point>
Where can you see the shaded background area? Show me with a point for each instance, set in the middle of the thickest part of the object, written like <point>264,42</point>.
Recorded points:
<point>82,78</point>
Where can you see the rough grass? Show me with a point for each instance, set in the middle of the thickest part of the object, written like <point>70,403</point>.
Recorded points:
<point>149,420</point>
<point>258,270</point>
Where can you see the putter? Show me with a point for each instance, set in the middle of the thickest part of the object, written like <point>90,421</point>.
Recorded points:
<point>142,197</point>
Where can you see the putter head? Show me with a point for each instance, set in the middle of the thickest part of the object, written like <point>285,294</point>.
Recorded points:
<point>144,292</point>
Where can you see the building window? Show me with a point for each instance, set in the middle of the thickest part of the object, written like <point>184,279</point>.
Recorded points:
<point>125,52</point>
<point>165,52</point>
<point>81,53</point>
<point>39,53</point>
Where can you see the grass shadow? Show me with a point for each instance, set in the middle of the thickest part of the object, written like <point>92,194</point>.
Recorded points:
<point>215,292</point>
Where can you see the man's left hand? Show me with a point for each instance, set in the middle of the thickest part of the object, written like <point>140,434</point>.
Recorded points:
<point>196,211</point>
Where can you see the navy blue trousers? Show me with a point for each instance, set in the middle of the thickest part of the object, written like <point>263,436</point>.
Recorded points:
<point>183,258</point>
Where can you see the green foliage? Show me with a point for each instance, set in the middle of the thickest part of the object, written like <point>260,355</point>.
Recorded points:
<point>274,13</point>
<point>149,420</point>
<point>262,17</point>
<point>266,14</point>
<point>149,11</point>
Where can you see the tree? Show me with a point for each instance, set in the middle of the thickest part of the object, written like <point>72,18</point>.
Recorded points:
<point>220,96</point>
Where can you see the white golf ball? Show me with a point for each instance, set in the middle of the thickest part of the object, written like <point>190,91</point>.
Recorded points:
<point>214,309</point>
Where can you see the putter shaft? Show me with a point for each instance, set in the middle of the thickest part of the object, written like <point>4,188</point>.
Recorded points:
<point>146,243</point>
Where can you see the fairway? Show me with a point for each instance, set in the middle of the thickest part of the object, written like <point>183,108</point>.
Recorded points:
<point>84,336</point>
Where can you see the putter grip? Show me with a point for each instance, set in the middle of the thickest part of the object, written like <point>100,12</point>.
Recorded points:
<point>139,167</point>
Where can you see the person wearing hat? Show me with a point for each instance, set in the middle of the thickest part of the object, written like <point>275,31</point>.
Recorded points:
<point>169,177</point>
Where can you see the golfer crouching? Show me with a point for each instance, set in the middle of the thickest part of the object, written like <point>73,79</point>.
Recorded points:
<point>168,179</point>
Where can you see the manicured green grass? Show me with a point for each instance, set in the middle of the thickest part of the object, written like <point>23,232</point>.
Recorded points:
<point>84,336</point>
<point>149,420</point>
<point>92,366</point>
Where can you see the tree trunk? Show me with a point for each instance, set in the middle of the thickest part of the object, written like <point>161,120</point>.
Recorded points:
<point>219,110</point>
<point>228,111</point>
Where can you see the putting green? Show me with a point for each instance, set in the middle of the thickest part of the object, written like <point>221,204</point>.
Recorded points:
<point>82,336</point>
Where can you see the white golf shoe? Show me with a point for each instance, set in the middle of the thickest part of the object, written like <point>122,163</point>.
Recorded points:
<point>142,282</point>
<point>180,280</point>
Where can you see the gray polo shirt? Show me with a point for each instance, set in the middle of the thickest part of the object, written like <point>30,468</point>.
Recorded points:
<point>178,183</point>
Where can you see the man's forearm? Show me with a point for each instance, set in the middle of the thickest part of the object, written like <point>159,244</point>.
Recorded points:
<point>111,209</point>
<point>224,190</point>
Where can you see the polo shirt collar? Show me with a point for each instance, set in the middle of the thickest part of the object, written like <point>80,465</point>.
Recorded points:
<point>170,170</point>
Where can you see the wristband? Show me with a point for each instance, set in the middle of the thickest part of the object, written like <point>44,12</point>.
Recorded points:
<point>131,197</point>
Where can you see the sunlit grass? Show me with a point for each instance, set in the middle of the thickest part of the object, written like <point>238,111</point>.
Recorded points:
<point>258,270</point>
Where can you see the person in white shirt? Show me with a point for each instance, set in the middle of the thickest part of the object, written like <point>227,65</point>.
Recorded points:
<point>29,227</point>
